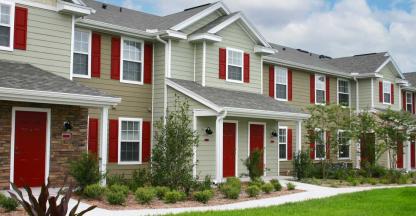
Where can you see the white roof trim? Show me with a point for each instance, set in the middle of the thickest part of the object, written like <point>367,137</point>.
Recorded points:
<point>205,36</point>
<point>367,75</point>
<point>242,17</point>
<point>47,97</point>
<point>201,15</point>
<point>390,59</point>
<point>264,50</point>
<point>77,9</point>
<point>113,28</point>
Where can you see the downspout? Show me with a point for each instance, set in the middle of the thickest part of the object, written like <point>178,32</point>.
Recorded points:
<point>219,145</point>
<point>165,91</point>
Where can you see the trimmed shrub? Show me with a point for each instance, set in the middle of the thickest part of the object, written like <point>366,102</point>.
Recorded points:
<point>302,164</point>
<point>276,184</point>
<point>9,204</point>
<point>85,170</point>
<point>120,189</point>
<point>290,186</point>
<point>117,180</point>
<point>93,191</point>
<point>231,188</point>
<point>234,182</point>
<point>372,181</point>
<point>115,198</point>
<point>253,191</point>
<point>145,195</point>
<point>174,196</point>
<point>403,179</point>
<point>140,178</point>
<point>161,191</point>
<point>206,184</point>
<point>257,181</point>
<point>203,196</point>
<point>253,164</point>
<point>267,188</point>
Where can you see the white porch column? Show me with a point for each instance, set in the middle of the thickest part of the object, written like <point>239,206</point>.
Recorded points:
<point>218,149</point>
<point>407,154</point>
<point>103,142</point>
<point>278,149</point>
<point>298,136</point>
<point>194,126</point>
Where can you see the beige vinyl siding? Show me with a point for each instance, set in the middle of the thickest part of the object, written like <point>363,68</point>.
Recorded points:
<point>46,2</point>
<point>235,37</point>
<point>198,63</point>
<point>182,60</point>
<point>158,81</point>
<point>364,88</point>
<point>136,100</point>
<point>389,74</point>
<point>48,42</point>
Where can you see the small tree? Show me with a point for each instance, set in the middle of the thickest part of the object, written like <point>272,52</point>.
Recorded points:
<point>393,131</point>
<point>173,150</point>
<point>331,119</point>
<point>254,164</point>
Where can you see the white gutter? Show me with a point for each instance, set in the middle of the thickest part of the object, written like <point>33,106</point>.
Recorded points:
<point>34,96</point>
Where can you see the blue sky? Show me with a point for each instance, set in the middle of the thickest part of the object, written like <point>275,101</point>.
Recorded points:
<point>331,27</point>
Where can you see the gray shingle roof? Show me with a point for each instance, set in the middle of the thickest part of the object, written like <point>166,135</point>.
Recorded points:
<point>18,75</point>
<point>366,63</point>
<point>237,99</point>
<point>214,23</point>
<point>411,77</point>
<point>137,19</point>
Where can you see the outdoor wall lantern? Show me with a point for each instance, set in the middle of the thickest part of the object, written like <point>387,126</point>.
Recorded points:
<point>208,131</point>
<point>274,133</point>
<point>67,126</point>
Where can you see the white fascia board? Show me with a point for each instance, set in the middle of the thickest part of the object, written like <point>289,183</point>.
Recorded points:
<point>264,50</point>
<point>225,23</point>
<point>205,36</point>
<point>173,34</point>
<point>34,96</point>
<point>265,114</point>
<point>66,7</point>
<point>102,26</point>
<point>367,75</point>
<point>296,65</point>
<point>401,81</point>
<point>194,96</point>
<point>201,15</point>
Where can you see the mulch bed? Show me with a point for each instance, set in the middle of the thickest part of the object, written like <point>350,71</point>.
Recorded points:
<point>18,212</point>
<point>218,199</point>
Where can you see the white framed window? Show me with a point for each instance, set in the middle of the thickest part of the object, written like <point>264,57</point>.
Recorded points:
<point>386,92</point>
<point>82,54</point>
<point>320,89</point>
<point>130,141</point>
<point>6,25</point>
<point>235,65</point>
<point>409,102</point>
<point>344,144</point>
<point>282,141</point>
<point>131,65</point>
<point>320,147</point>
<point>281,78</point>
<point>344,92</point>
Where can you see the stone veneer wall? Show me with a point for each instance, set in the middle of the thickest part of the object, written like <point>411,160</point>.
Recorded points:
<point>61,152</point>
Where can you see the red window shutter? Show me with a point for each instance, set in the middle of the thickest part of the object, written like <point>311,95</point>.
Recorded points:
<point>400,155</point>
<point>327,90</point>
<point>222,63</point>
<point>20,28</point>
<point>96,55</point>
<point>93,136</point>
<point>113,141</point>
<point>380,91</point>
<point>413,103</point>
<point>312,148</point>
<point>146,137</point>
<point>148,63</point>
<point>404,101</point>
<point>246,67</point>
<point>289,85</point>
<point>392,93</point>
<point>289,144</point>
<point>271,81</point>
<point>312,88</point>
<point>115,58</point>
<point>328,147</point>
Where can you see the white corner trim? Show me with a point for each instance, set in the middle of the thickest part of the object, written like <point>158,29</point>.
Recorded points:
<point>201,15</point>
<point>192,95</point>
<point>48,139</point>
<point>71,66</point>
<point>204,61</point>
<point>56,97</point>
<point>372,93</point>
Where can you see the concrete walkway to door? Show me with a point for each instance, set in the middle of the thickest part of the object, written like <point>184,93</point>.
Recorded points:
<point>311,192</point>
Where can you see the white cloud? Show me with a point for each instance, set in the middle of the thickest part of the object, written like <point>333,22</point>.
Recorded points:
<point>343,29</point>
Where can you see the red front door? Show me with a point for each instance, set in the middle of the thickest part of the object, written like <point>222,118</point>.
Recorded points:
<point>229,142</point>
<point>30,148</point>
<point>412,155</point>
<point>257,140</point>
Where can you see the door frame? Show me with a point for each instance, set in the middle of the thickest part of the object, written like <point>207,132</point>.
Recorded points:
<point>48,138</point>
<point>236,144</point>
<point>264,143</point>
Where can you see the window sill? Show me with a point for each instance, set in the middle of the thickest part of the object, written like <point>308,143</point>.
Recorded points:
<point>344,159</point>
<point>281,99</point>
<point>129,163</point>
<point>283,160</point>
<point>10,49</point>
<point>234,81</point>
<point>131,82</point>
<point>81,76</point>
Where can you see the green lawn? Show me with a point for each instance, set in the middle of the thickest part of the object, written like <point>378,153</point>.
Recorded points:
<point>400,201</point>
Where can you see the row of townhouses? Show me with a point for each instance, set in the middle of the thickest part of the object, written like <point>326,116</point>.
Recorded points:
<point>81,75</point>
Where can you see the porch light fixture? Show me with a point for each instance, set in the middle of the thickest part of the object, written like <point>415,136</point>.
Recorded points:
<point>274,133</point>
<point>67,126</point>
<point>208,131</point>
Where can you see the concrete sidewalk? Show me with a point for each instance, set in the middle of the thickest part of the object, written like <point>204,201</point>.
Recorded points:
<point>311,192</point>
